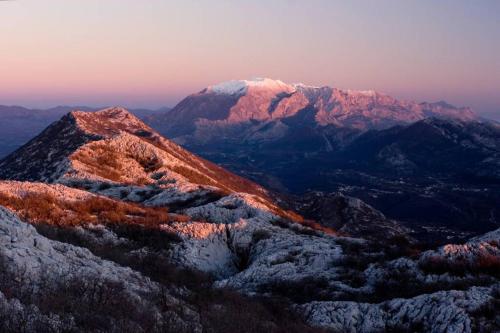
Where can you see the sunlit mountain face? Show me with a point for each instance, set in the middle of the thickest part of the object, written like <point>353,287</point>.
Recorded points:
<point>266,100</point>
<point>431,165</point>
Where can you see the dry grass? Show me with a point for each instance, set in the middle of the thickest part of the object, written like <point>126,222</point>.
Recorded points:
<point>43,208</point>
<point>193,176</point>
<point>104,161</point>
<point>298,222</point>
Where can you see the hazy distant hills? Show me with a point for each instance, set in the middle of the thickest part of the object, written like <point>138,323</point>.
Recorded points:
<point>18,125</point>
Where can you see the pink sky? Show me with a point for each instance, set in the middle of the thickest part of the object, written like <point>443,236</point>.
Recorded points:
<point>153,53</point>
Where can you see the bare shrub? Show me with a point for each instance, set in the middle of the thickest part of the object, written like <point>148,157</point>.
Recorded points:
<point>149,163</point>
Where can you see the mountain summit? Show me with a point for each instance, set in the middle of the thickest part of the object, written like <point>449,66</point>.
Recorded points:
<point>249,102</point>
<point>242,87</point>
<point>114,146</point>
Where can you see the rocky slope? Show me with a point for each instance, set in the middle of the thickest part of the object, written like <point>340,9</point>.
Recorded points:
<point>338,283</point>
<point>473,309</point>
<point>19,124</point>
<point>113,146</point>
<point>183,235</point>
<point>348,215</point>
<point>41,279</point>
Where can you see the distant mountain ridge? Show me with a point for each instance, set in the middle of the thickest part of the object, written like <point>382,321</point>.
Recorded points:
<point>246,104</point>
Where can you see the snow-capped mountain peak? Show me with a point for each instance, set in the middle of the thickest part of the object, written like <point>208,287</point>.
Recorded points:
<point>299,85</point>
<point>235,87</point>
<point>243,102</point>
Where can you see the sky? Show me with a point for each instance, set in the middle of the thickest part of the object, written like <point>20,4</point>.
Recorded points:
<point>153,53</point>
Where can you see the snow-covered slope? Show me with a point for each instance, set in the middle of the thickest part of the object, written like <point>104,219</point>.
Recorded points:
<point>244,86</point>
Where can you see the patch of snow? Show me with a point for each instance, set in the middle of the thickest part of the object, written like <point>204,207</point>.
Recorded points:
<point>234,87</point>
<point>368,93</point>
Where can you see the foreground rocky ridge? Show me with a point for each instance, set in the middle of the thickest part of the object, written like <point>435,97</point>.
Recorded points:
<point>94,146</point>
<point>338,283</point>
<point>19,124</point>
<point>182,242</point>
<point>39,276</point>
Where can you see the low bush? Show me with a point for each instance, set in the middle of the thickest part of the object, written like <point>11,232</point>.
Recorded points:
<point>405,284</point>
<point>259,235</point>
<point>302,291</point>
<point>227,311</point>
<point>150,163</point>
<point>485,263</point>
<point>305,227</point>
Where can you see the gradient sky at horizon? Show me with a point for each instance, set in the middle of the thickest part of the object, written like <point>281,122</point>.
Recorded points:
<point>153,53</point>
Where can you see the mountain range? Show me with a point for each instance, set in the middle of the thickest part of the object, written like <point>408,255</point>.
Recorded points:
<point>300,209</point>
<point>251,103</point>
<point>431,165</point>
<point>105,225</point>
